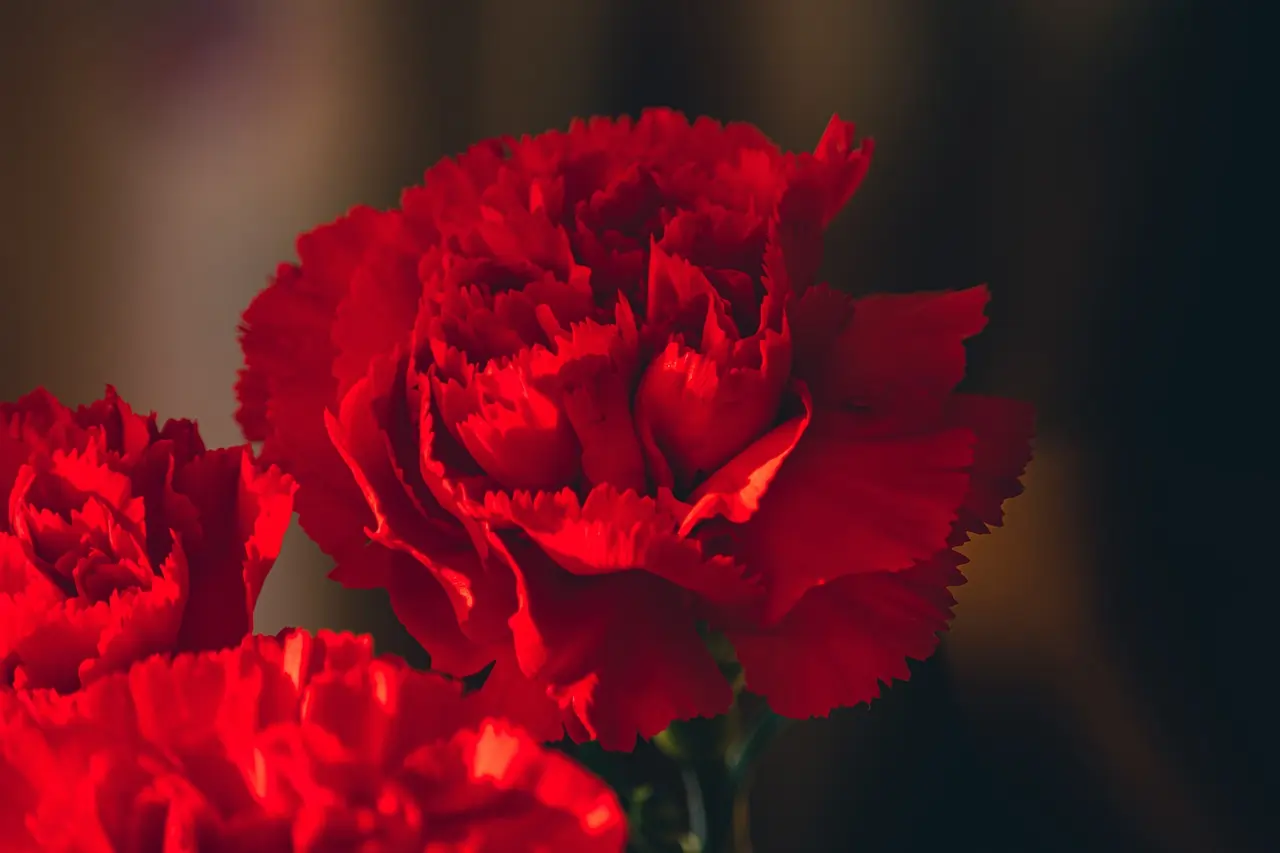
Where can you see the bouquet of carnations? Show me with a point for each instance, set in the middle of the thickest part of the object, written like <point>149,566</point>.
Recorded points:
<point>583,408</point>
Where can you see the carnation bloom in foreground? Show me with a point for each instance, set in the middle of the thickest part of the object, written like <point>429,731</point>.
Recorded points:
<point>121,539</point>
<point>296,744</point>
<point>581,395</point>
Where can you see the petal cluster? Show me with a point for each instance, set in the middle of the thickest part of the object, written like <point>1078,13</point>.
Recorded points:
<point>296,743</point>
<point>581,397</point>
<point>120,539</point>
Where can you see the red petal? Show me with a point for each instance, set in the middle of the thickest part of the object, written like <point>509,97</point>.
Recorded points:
<point>611,531</point>
<point>123,431</point>
<point>183,436</point>
<point>793,249</point>
<point>50,650</point>
<point>736,489</point>
<point>288,382</point>
<point>676,285</point>
<point>410,521</point>
<point>515,429</point>
<point>1004,429</point>
<point>47,641</point>
<point>429,708</point>
<point>624,214</point>
<point>715,238</point>
<point>285,331</point>
<point>903,354</point>
<point>266,508</point>
<point>243,515</point>
<point>616,531</point>
<point>595,366</point>
<point>701,413</point>
<point>152,621</point>
<point>22,747</point>
<point>844,165</point>
<point>189,700</point>
<point>753,183</point>
<point>817,319</point>
<point>616,649</point>
<point>598,406</point>
<point>50,801</point>
<point>538,796</point>
<point>449,197</point>
<point>278,743</point>
<point>376,315</point>
<point>422,604</point>
<point>87,472</point>
<point>34,416</point>
<point>849,501</point>
<point>842,640</point>
<point>286,342</point>
<point>515,236</point>
<point>818,186</point>
<point>28,601</point>
<point>510,694</point>
<point>376,707</point>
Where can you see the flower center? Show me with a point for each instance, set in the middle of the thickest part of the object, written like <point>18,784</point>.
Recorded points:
<point>98,575</point>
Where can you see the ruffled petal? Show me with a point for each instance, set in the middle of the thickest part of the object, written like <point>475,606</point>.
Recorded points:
<point>510,694</point>
<point>817,318</point>
<point>817,187</point>
<point>579,635</point>
<point>50,641</point>
<point>1003,448</point>
<point>288,381</point>
<point>243,514</point>
<point>903,354</point>
<point>412,520</point>
<point>285,332</point>
<point>843,166</point>
<point>28,601</point>
<point>448,199</point>
<point>123,431</point>
<point>844,639</point>
<point>292,742</point>
<point>735,491</point>
<point>151,621</point>
<point>548,797</point>
<point>608,532</point>
<point>512,425</point>
<point>613,531</point>
<point>707,394</point>
<point>701,413</point>
<point>594,366</point>
<point>49,801</point>
<point>850,500</point>
<point>678,291</point>
<point>375,316</point>
<point>422,603</point>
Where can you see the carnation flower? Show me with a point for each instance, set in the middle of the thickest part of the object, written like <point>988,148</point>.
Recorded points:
<point>581,397</point>
<point>121,539</point>
<point>295,744</point>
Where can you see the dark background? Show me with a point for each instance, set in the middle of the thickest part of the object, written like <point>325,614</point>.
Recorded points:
<point>1101,164</point>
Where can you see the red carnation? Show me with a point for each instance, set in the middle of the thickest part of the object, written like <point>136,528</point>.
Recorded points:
<point>581,394</point>
<point>121,539</point>
<point>295,744</point>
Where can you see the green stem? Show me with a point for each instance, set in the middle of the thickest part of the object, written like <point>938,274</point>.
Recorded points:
<point>741,757</point>
<point>711,805</point>
<point>698,819</point>
<point>717,788</point>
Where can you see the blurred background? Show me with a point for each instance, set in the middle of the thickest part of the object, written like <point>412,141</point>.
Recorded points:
<point>1097,161</point>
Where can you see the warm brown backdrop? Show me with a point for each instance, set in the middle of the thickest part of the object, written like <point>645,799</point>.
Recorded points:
<point>1088,158</point>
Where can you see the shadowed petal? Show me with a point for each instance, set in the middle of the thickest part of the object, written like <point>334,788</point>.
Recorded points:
<point>842,640</point>
<point>850,500</point>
